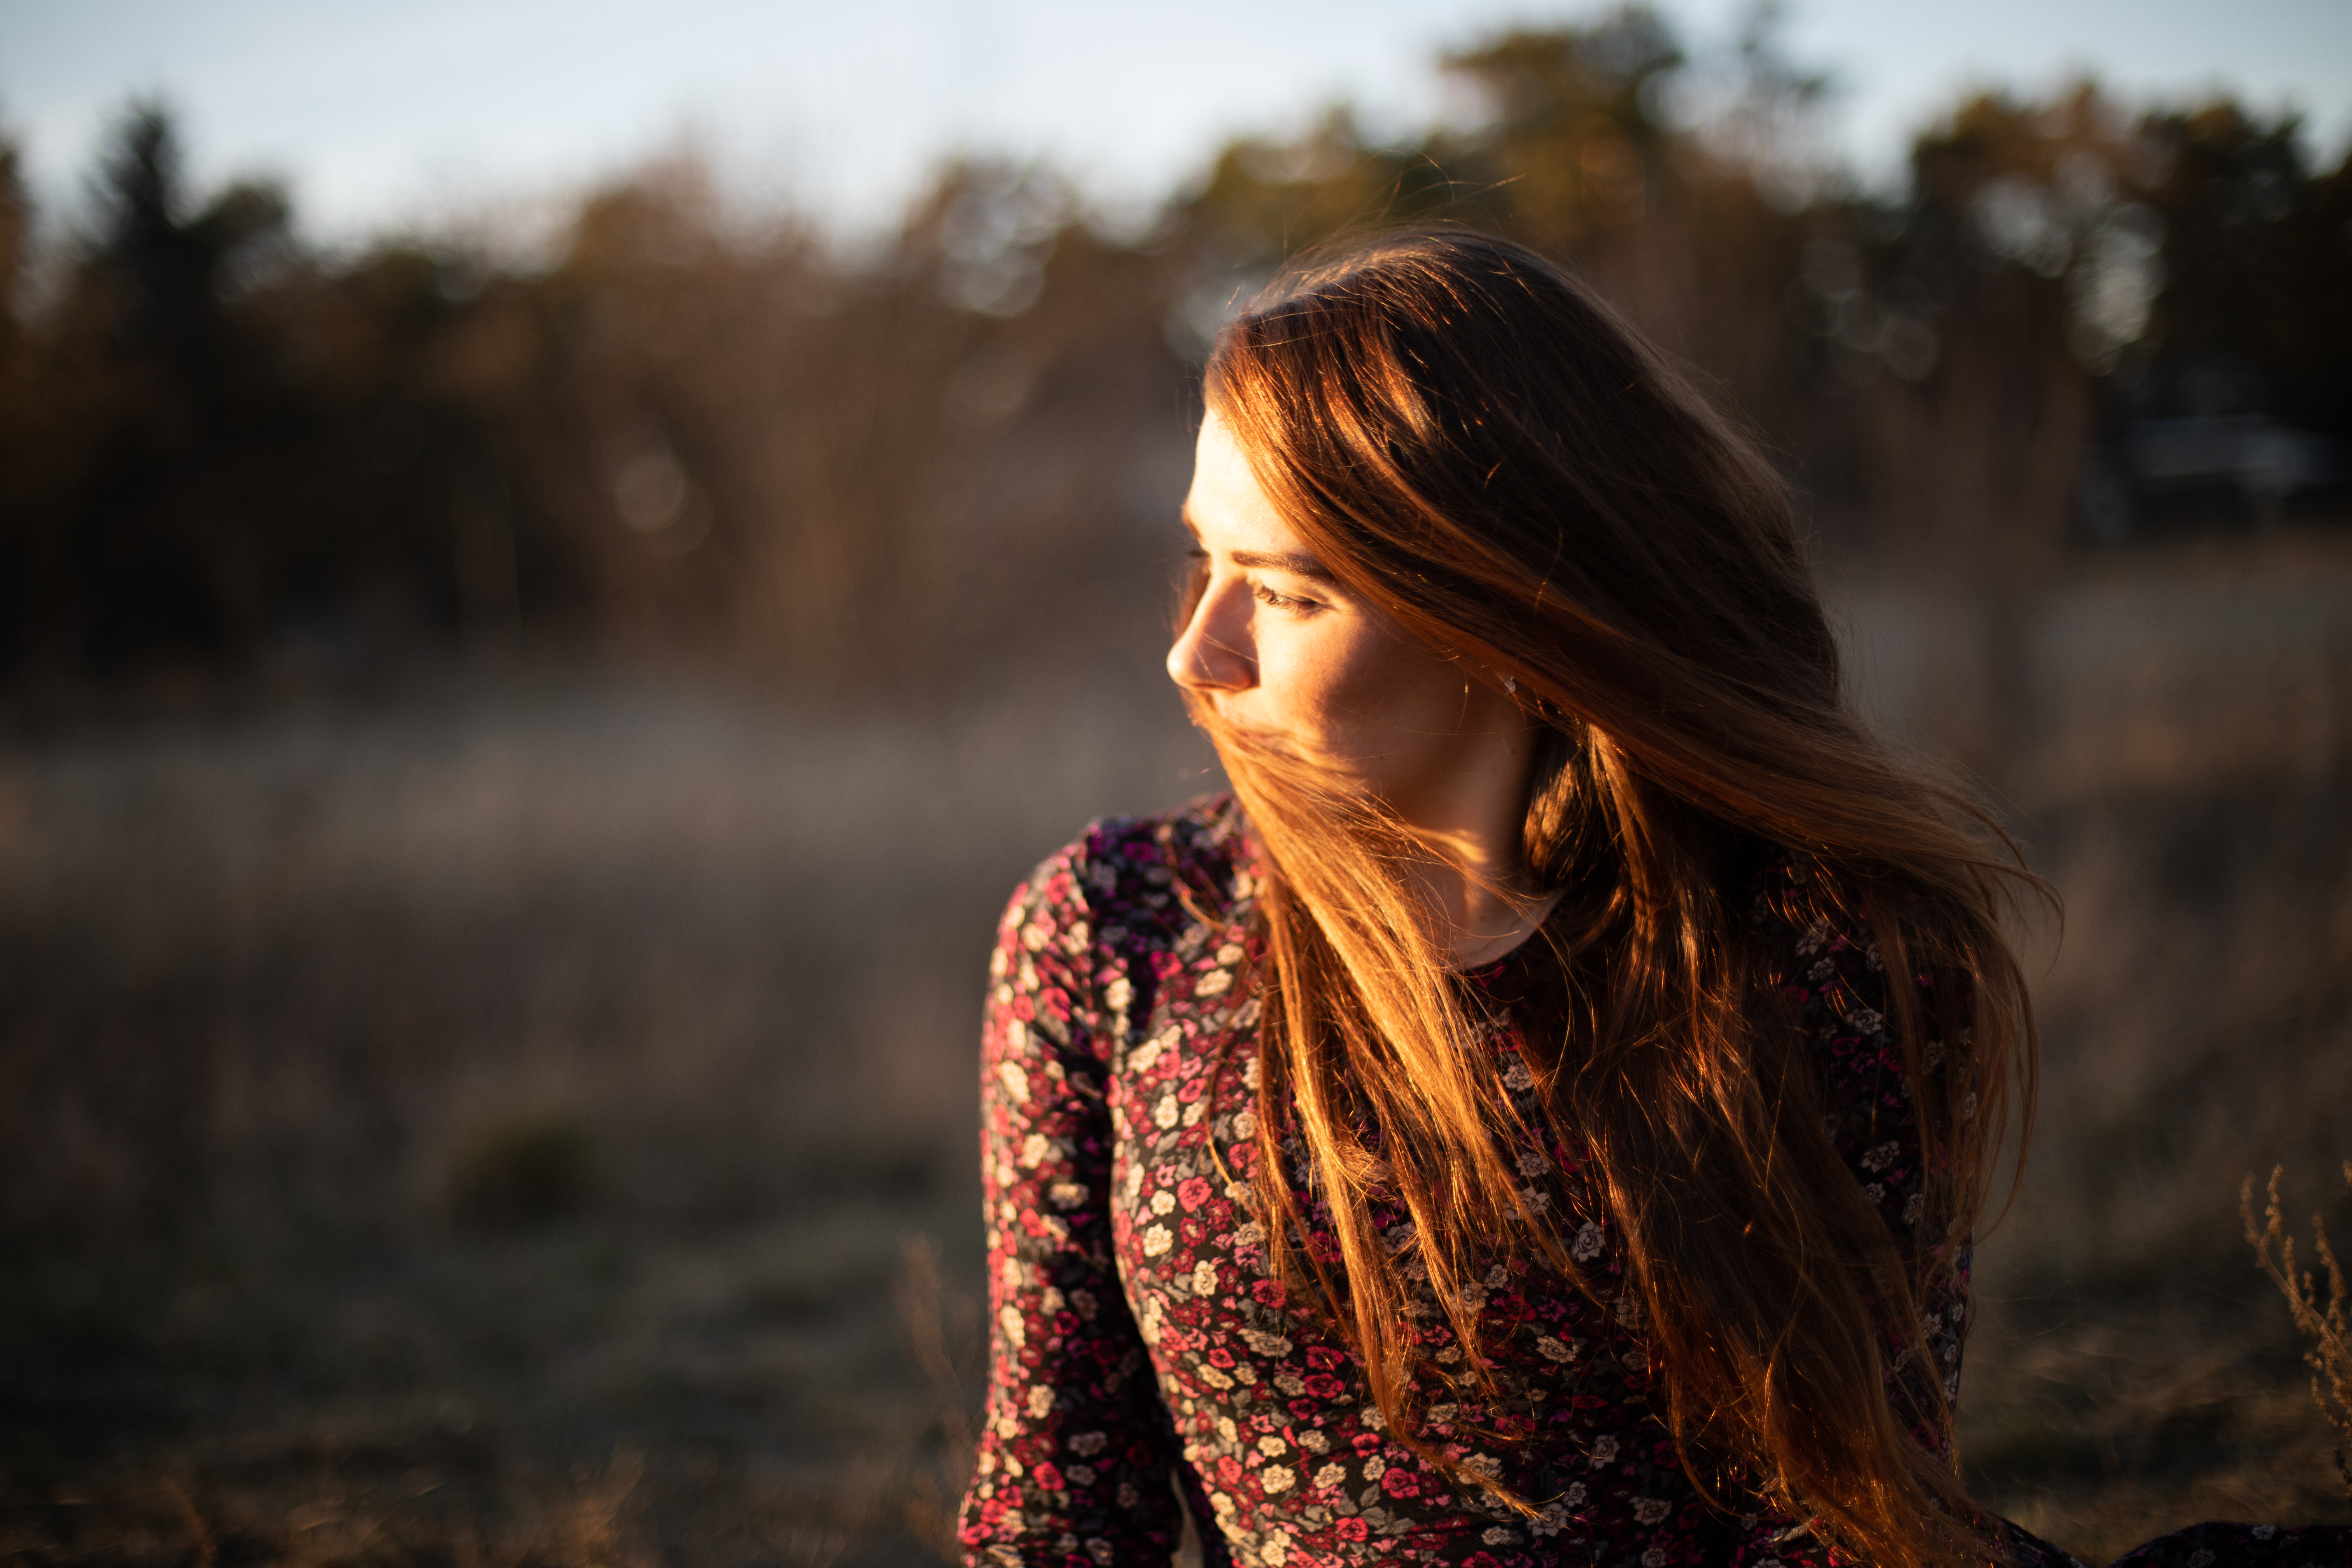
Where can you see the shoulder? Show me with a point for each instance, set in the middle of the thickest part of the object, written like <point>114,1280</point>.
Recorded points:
<point>1836,985</point>
<point>1823,957</point>
<point>1140,873</point>
<point>1826,964</point>
<point>1095,925</point>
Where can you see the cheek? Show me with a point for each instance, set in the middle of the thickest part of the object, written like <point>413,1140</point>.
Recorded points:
<point>1358,679</point>
<point>1298,686</point>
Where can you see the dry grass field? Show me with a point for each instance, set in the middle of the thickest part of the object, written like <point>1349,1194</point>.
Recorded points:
<point>2186,784</point>
<point>491,1128</point>
<point>2183,775</point>
<point>529,1122</point>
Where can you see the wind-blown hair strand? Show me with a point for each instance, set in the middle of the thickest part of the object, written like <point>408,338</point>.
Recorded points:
<point>1470,441</point>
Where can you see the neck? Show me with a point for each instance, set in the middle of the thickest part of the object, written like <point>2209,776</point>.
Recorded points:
<point>1476,878</point>
<point>1482,898</point>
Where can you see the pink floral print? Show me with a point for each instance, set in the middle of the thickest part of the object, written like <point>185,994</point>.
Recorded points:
<point>1137,1332</point>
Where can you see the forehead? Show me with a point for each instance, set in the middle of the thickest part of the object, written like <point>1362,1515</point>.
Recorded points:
<point>1227,508</point>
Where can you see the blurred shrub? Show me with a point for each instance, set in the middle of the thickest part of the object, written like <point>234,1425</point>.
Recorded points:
<point>2325,1325</point>
<point>525,1167</point>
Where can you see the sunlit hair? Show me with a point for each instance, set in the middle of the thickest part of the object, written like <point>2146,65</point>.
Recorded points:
<point>1468,440</point>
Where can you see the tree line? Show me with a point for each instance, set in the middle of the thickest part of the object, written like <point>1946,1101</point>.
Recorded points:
<point>911,470</point>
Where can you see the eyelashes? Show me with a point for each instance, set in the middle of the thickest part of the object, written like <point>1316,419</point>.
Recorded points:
<point>1196,586</point>
<point>1272,600</point>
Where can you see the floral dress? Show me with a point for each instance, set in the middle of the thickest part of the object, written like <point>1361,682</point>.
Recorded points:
<point>1137,1328</point>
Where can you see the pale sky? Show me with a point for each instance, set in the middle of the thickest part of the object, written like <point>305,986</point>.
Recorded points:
<point>381,114</point>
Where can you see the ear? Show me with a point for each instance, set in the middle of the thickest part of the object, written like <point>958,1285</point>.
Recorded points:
<point>1547,842</point>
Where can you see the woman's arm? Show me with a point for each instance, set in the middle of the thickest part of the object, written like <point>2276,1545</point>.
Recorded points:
<point>1839,992</point>
<point>1839,984</point>
<point>1876,1127</point>
<point>1073,1462</point>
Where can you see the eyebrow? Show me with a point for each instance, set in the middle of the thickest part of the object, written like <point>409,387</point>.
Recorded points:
<point>1297,566</point>
<point>1274,559</point>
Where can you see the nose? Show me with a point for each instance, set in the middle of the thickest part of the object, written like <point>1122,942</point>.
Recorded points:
<point>1212,653</point>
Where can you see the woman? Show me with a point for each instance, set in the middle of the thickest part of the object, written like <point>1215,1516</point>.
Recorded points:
<point>1543,1115</point>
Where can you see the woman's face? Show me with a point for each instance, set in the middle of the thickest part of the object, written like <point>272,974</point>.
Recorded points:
<point>1278,648</point>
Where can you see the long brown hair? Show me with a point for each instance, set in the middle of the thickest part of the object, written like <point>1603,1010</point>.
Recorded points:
<point>1472,442</point>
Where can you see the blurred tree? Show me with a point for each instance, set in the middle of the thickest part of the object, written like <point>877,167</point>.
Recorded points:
<point>172,272</point>
<point>1671,184</point>
<point>904,472</point>
<point>2254,312</point>
<point>132,569</point>
<point>1961,315</point>
<point>1572,132</point>
<point>19,402</point>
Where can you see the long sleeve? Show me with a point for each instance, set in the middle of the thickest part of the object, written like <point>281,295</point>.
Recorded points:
<point>1841,987</point>
<point>1073,1467</point>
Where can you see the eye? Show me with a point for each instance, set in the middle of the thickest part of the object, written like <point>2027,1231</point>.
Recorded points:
<point>1278,601</point>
